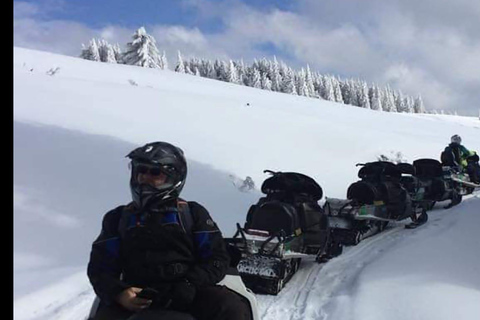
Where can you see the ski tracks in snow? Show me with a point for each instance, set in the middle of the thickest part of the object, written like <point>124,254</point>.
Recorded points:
<point>313,289</point>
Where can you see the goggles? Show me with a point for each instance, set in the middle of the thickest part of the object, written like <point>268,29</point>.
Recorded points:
<point>154,170</point>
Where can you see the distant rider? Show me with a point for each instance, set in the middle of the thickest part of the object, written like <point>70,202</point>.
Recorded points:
<point>457,156</point>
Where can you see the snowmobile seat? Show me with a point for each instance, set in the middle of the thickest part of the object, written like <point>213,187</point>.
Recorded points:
<point>408,179</point>
<point>379,171</point>
<point>406,168</point>
<point>428,168</point>
<point>273,216</point>
<point>395,197</point>
<point>431,173</point>
<point>314,224</point>
<point>410,183</point>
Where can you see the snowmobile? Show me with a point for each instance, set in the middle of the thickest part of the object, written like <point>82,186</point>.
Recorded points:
<point>386,192</point>
<point>232,281</point>
<point>281,229</point>
<point>445,182</point>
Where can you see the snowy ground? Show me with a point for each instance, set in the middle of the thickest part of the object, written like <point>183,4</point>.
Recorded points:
<point>73,129</point>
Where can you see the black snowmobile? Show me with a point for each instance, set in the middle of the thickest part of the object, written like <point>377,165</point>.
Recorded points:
<point>444,182</point>
<point>386,192</point>
<point>283,227</point>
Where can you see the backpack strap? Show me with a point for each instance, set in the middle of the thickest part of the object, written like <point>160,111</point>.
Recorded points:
<point>128,219</point>
<point>185,215</point>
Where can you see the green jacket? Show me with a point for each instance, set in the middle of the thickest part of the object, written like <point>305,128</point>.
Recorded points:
<point>460,154</point>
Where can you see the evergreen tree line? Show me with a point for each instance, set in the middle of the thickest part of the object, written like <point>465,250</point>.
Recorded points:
<point>264,74</point>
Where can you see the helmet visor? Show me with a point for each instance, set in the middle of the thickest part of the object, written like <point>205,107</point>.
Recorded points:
<point>159,176</point>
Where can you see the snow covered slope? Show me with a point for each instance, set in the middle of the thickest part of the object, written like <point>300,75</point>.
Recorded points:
<point>75,120</point>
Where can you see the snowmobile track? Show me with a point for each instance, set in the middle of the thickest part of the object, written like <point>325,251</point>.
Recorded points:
<point>314,286</point>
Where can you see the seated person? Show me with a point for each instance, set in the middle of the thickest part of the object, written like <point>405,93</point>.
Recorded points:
<point>457,156</point>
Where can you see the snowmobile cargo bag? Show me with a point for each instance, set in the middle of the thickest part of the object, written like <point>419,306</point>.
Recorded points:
<point>364,192</point>
<point>428,168</point>
<point>284,185</point>
<point>378,171</point>
<point>273,216</point>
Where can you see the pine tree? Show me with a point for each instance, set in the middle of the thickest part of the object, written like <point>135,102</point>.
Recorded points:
<point>346,93</point>
<point>106,52</point>
<point>266,83</point>
<point>408,103</point>
<point>288,83</point>
<point>91,52</point>
<point>309,83</point>
<point>208,69</point>
<point>142,51</point>
<point>418,106</point>
<point>399,101</point>
<point>362,93</point>
<point>328,93</point>
<point>118,53</point>
<point>388,102</point>
<point>197,72</point>
<point>180,64</point>
<point>241,71</point>
<point>232,73</point>
<point>163,61</point>
<point>300,83</point>
<point>274,75</point>
<point>256,80</point>
<point>337,90</point>
<point>376,99</point>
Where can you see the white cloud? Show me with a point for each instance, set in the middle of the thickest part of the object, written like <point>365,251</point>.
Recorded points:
<point>24,202</point>
<point>371,39</point>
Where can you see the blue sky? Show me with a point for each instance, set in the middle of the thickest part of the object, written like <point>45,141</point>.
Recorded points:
<point>100,13</point>
<point>426,47</point>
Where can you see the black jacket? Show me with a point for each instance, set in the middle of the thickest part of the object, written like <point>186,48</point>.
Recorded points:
<point>155,248</point>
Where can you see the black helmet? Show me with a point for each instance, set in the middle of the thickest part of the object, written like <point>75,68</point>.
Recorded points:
<point>456,139</point>
<point>162,157</point>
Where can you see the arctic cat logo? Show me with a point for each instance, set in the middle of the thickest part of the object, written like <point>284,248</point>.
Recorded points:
<point>149,148</point>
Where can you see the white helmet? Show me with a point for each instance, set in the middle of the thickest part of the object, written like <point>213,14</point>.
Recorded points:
<point>456,139</point>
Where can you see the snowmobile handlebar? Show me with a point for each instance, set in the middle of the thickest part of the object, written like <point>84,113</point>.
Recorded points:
<point>281,238</point>
<point>280,235</point>
<point>271,172</point>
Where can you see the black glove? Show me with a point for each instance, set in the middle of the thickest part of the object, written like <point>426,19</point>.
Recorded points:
<point>182,295</point>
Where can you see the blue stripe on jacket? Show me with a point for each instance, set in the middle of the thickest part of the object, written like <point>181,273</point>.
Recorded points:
<point>170,218</point>
<point>204,244</point>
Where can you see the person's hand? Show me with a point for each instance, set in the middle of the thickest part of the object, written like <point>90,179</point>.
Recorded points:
<point>129,300</point>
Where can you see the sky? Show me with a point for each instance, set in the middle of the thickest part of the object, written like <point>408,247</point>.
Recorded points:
<point>426,47</point>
